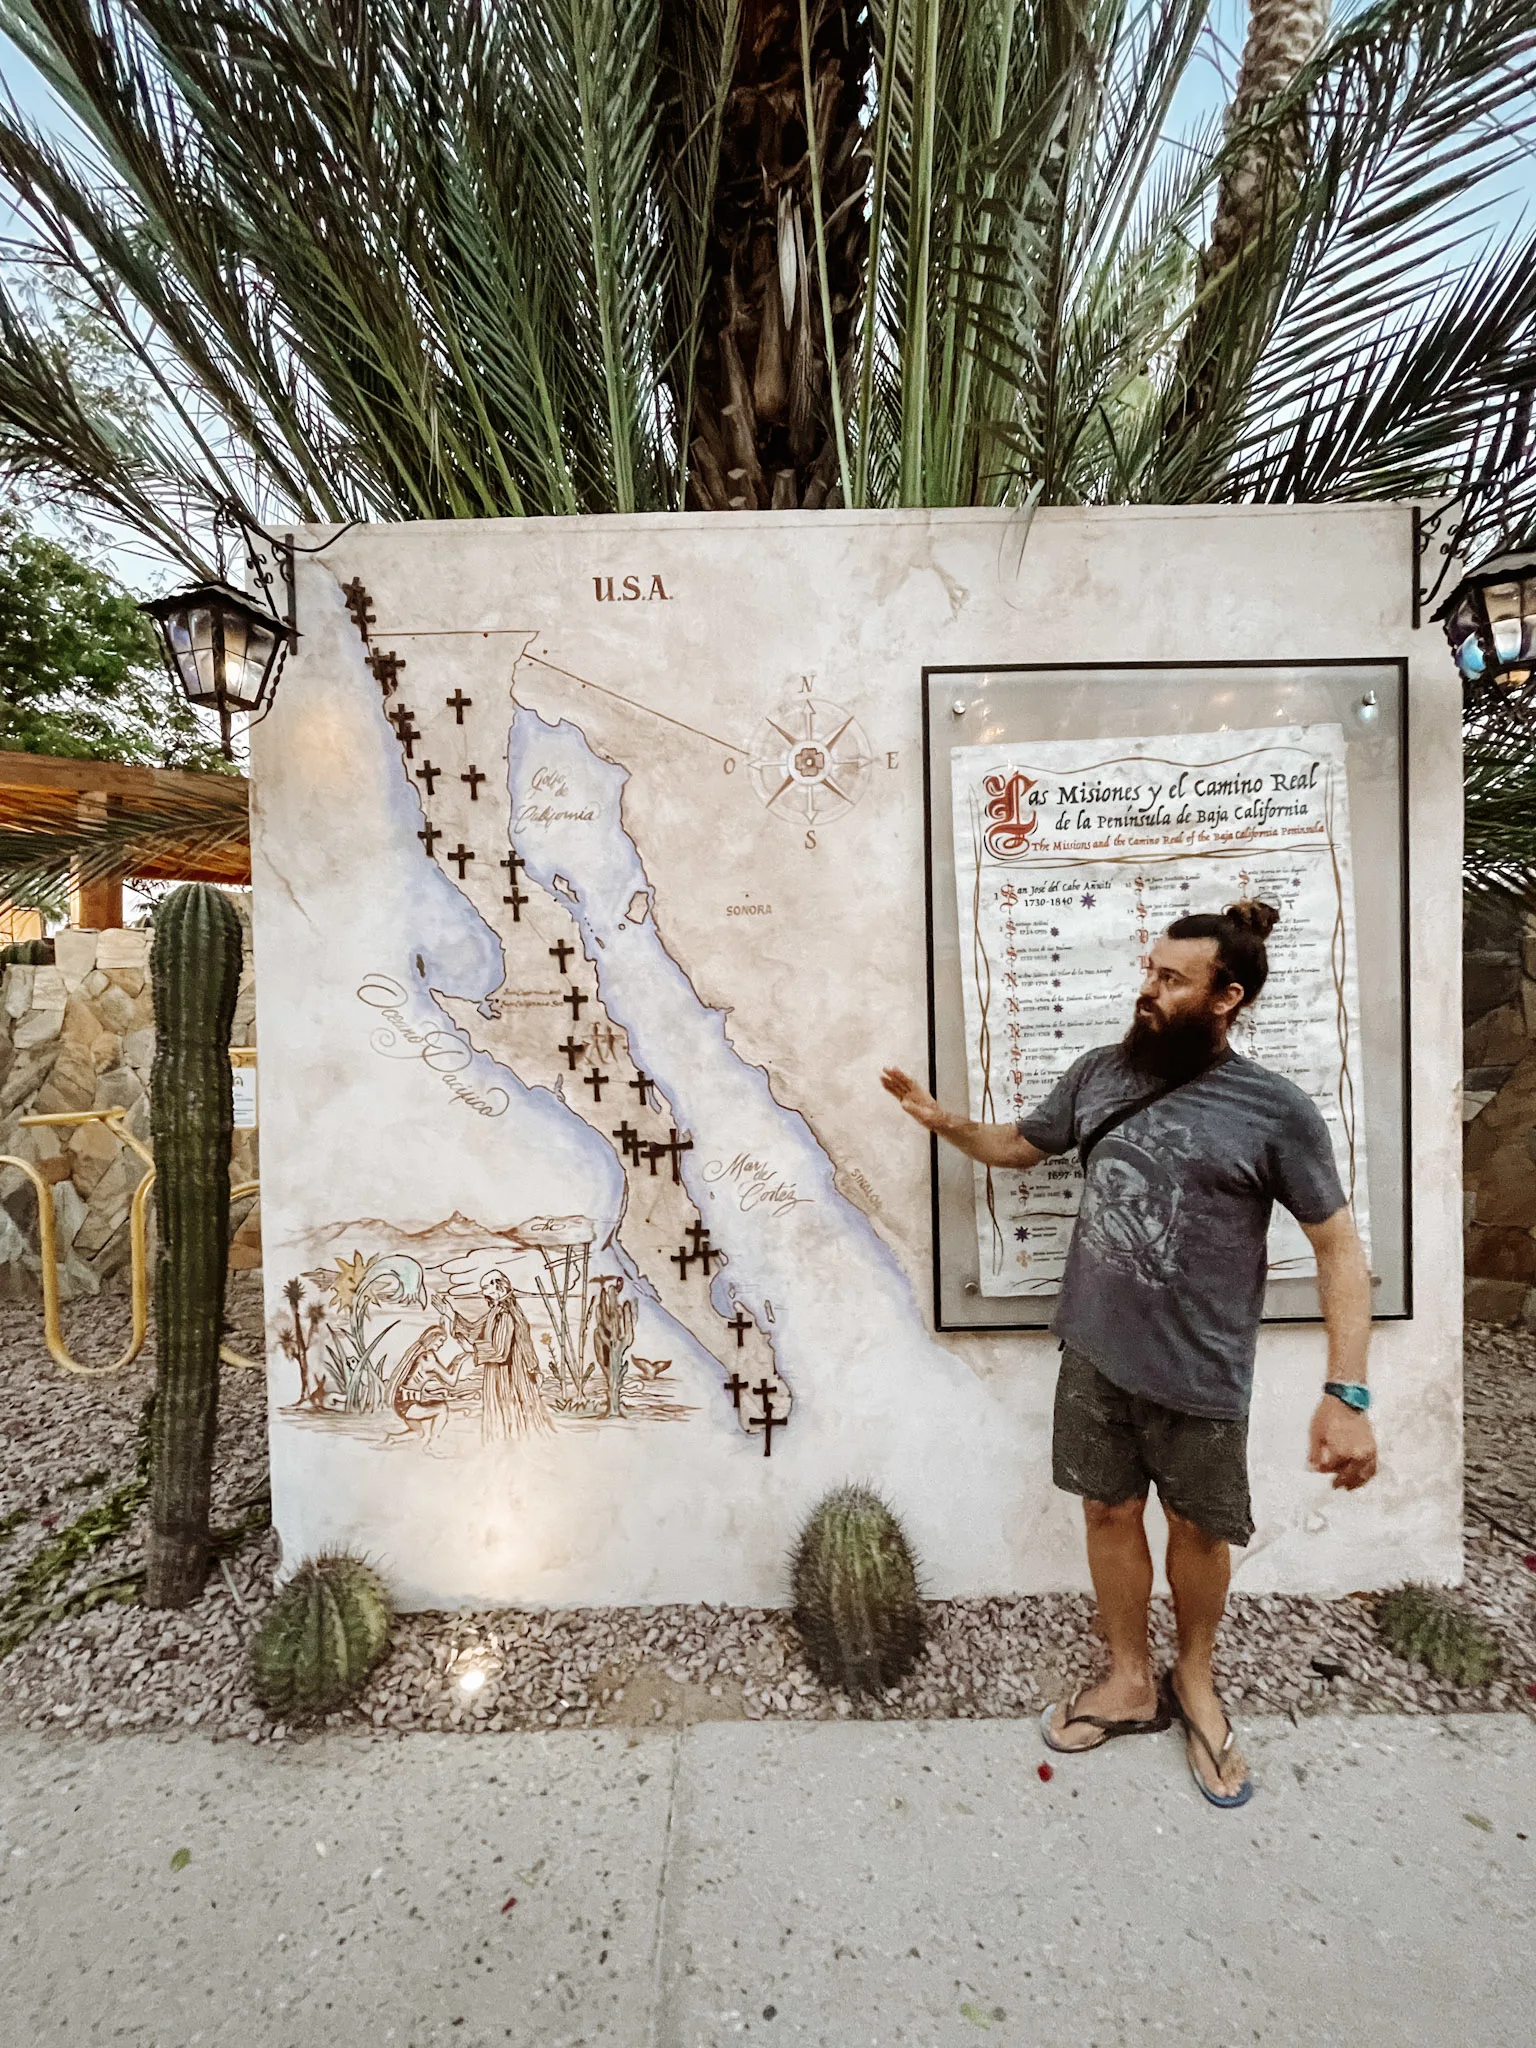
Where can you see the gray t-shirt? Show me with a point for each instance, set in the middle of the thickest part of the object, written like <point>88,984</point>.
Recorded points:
<point>1164,1281</point>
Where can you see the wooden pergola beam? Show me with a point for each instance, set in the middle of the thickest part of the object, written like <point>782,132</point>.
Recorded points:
<point>106,778</point>
<point>47,790</point>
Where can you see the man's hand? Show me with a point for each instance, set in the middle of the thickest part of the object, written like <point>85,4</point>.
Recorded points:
<point>916,1101</point>
<point>992,1144</point>
<point>1343,1443</point>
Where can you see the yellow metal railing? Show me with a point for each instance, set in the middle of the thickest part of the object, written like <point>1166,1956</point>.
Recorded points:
<point>138,1245</point>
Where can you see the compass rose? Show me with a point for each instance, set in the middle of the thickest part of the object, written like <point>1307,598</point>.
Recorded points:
<point>810,761</point>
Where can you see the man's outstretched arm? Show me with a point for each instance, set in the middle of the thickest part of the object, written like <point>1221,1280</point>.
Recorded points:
<point>992,1144</point>
<point>1342,1440</point>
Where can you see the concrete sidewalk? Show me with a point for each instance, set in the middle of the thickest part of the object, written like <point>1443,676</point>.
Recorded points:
<point>837,1884</point>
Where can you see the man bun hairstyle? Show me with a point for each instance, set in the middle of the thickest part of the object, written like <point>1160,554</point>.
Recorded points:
<point>1239,932</point>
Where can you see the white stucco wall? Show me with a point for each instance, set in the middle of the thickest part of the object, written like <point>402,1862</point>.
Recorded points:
<point>821,990</point>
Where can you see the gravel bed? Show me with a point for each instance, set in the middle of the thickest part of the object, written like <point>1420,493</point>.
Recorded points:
<point>69,1441</point>
<point>1501,1427</point>
<point>124,1667</point>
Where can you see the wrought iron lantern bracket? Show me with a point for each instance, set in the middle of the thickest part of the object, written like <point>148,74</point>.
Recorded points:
<point>1434,551</point>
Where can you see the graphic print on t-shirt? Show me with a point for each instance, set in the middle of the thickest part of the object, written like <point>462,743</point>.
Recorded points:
<point>1129,1216</point>
<point>1164,1281</point>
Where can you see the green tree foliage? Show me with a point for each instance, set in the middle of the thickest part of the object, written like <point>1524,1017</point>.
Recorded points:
<point>80,672</point>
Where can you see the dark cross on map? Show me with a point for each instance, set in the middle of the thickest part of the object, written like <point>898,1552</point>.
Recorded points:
<point>642,1085</point>
<point>682,1258</point>
<point>463,856</point>
<point>736,1386</point>
<point>740,1324</point>
<point>458,704</point>
<point>768,1421</point>
<point>676,1147</point>
<point>386,670</point>
<point>514,865</point>
<point>357,605</point>
<point>474,778</point>
<point>629,1141</point>
<point>597,1082</point>
<point>428,774</point>
<point>405,730</point>
<point>577,1002</point>
<point>573,1050</point>
<point>517,899</point>
<point>703,1250</point>
<point>429,836</point>
<point>560,952</point>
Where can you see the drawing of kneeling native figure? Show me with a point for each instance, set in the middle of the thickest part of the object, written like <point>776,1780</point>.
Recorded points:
<point>511,1401</point>
<point>421,1389</point>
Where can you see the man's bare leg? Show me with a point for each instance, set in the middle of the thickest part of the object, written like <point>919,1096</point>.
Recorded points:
<point>1121,1565</point>
<point>1199,1573</point>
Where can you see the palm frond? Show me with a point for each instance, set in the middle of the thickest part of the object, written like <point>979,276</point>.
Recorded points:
<point>1375,254</point>
<point>48,839</point>
<point>1499,770</point>
<point>441,258</point>
<point>407,256</point>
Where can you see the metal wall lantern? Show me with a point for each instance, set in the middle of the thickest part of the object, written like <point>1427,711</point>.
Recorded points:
<point>226,647</point>
<point>1490,622</point>
<point>226,652</point>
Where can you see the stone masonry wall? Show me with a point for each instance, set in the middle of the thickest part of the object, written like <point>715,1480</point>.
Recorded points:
<point>80,1035</point>
<point>1499,1108</point>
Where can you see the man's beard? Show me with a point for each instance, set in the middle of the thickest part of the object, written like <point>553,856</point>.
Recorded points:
<point>1174,1051</point>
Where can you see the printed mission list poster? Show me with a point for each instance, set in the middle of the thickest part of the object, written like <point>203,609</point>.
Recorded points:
<point>1071,856</point>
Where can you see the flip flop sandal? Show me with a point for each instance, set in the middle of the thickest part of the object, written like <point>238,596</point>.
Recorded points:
<point>1218,1759</point>
<point>1108,1730</point>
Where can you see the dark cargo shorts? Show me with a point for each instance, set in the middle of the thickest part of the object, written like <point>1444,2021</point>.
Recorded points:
<point>1111,1446</point>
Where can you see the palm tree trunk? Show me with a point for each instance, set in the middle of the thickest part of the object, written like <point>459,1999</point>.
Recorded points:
<point>761,430</point>
<point>1282,34</point>
<point>1259,183</point>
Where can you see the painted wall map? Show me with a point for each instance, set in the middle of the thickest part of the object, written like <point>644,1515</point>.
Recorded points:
<point>589,881</point>
<point>1070,858</point>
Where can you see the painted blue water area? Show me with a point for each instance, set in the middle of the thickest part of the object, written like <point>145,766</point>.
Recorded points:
<point>448,945</point>
<point>567,810</point>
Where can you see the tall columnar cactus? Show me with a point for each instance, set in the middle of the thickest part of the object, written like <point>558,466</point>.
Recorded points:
<point>321,1637</point>
<point>194,965</point>
<point>855,1593</point>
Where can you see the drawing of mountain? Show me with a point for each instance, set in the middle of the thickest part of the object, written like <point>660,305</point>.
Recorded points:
<point>436,1243</point>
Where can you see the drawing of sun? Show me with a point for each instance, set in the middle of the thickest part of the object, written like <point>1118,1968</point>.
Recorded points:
<point>810,761</point>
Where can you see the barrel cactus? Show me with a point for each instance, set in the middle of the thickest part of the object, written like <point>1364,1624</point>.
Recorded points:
<point>856,1602</point>
<point>321,1637</point>
<point>194,967</point>
<point>1424,1625</point>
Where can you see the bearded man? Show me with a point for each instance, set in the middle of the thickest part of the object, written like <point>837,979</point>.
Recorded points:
<point>1186,1146</point>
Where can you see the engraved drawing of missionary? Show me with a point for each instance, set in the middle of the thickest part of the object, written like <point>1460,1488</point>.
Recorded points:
<point>613,1334</point>
<point>511,1401</point>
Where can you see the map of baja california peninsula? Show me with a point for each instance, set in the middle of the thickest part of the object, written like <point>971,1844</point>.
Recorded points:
<point>594,1230</point>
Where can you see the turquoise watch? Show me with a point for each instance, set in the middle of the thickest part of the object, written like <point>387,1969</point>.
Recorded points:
<point>1350,1392</point>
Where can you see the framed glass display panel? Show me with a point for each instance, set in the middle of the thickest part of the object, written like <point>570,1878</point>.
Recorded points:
<point>1071,813</point>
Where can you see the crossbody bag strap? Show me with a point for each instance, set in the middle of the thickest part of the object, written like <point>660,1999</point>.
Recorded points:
<point>1119,1116</point>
